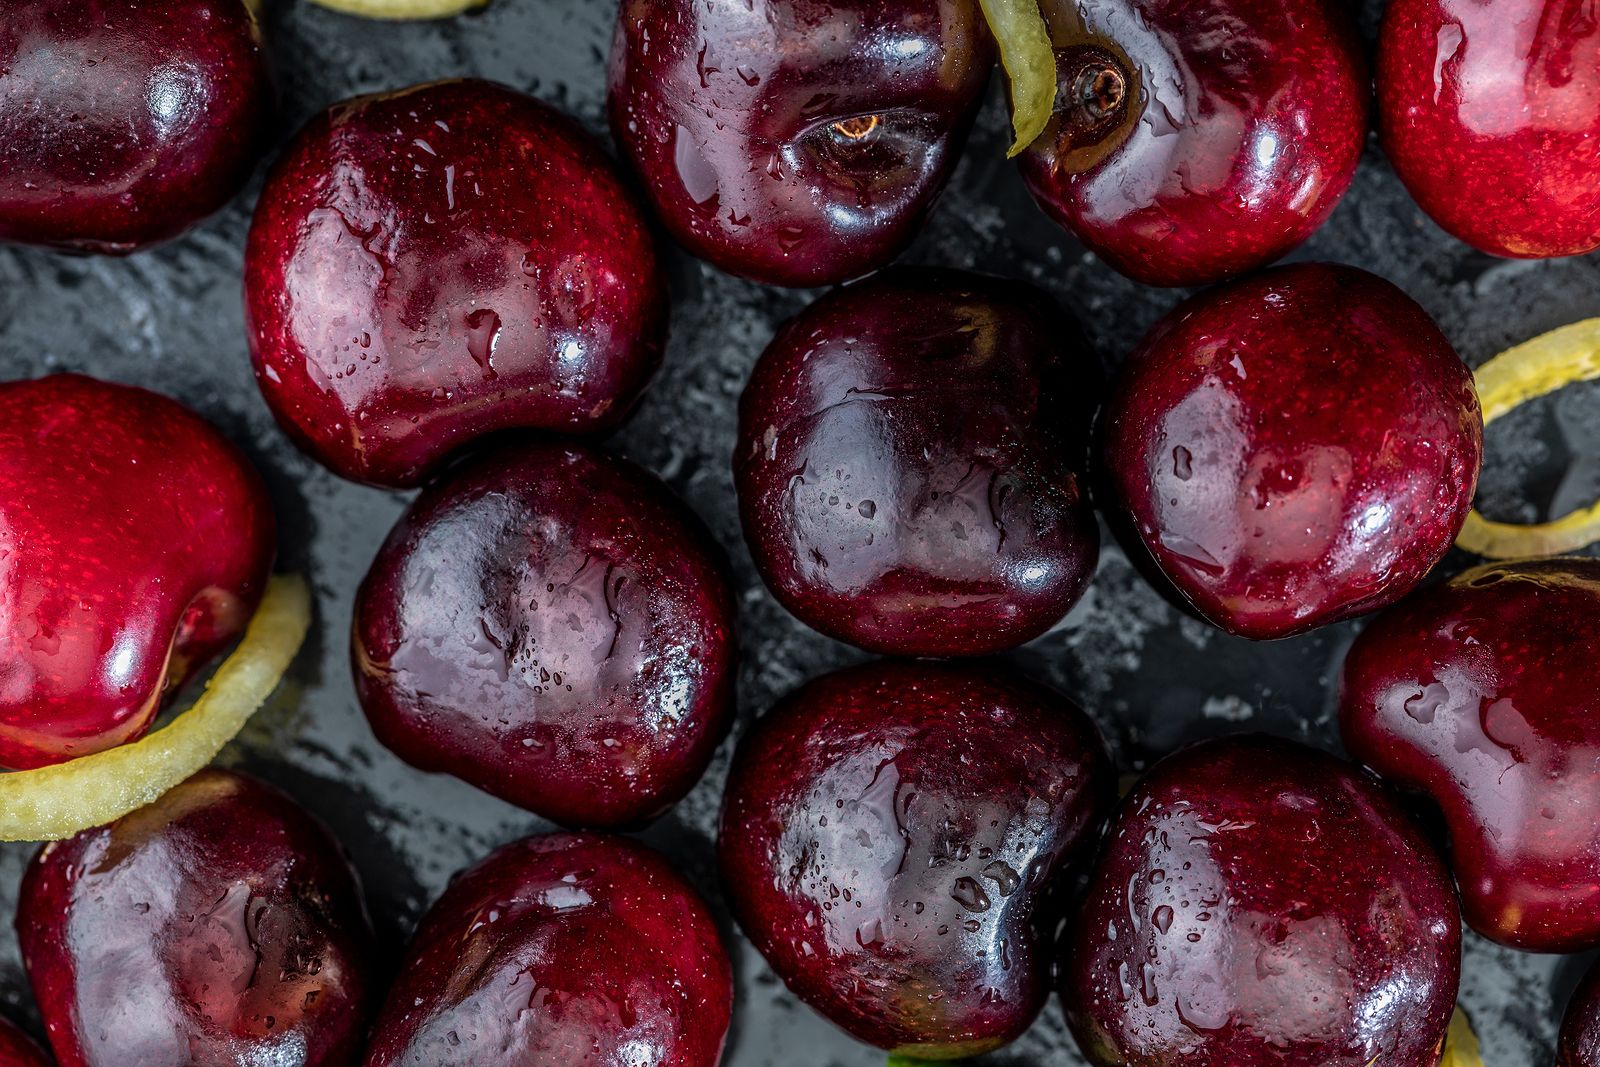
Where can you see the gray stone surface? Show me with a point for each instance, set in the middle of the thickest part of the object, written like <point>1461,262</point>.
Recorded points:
<point>171,319</point>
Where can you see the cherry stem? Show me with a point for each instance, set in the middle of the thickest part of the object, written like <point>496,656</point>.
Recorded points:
<point>1092,98</point>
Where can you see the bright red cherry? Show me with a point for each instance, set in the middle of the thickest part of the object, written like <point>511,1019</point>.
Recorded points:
<point>17,1049</point>
<point>1483,693</point>
<point>796,142</point>
<point>569,949</point>
<point>1262,904</point>
<point>221,925</point>
<point>1490,112</point>
<point>909,464</point>
<point>1296,448</point>
<point>1193,141</point>
<point>434,264</point>
<point>551,625</point>
<point>135,543</point>
<point>892,838</point>
<point>125,122</point>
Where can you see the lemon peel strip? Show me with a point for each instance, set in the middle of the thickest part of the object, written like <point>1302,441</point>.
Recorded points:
<point>1029,58</point>
<point>51,803</point>
<point>1461,1044</point>
<point>400,10</point>
<point>1533,369</point>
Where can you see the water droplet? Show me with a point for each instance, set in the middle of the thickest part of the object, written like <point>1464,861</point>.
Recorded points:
<point>1447,45</point>
<point>1192,552</point>
<point>1147,985</point>
<point>790,238</point>
<point>1004,876</point>
<point>483,333</point>
<point>970,895</point>
<point>695,172</point>
<point>1182,464</point>
<point>1124,986</point>
<point>1162,918</point>
<point>867,508</point>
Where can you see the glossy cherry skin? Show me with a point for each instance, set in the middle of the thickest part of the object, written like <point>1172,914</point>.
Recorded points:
<point>892,838</point>
<point>1490,112</point>
<point>125,122</point>
<point>1579,1042</point>
<point>910,464</point>
<point>1195,141</point>
<point>221,925</point>
<point>433,264</point>
<point>1482,692</point>
<point>577,949</point>
<point>136,541</point>
<point>796,142</point>
<point>550,624</point>
<point>1296,448</point>
<point>17,1049</point>
<point>1259,903</point>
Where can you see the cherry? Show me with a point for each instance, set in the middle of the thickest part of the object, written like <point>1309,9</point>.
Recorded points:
<point>17,1049</point>
<point>891,840</point>
<point>796,142</point>
<point>910,459</point>
<point>220,925</point>
<point>126,122</point>
<point>551,625</point>
<point>1261,903</point>
<point>1295,448</point>
<point>1480,692</point>
<point>137,542</point>
<point>1490,112</point>
<point>433,264</point>
<point>1195,141</point>
<point>1579,1042</point>
<point>567,949</point>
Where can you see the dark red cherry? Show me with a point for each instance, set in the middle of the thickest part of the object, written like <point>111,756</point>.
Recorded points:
<point>796,142</point>
<point>567,949</point>
<point>892,839</point>
<point>17,1049</point>
<point>1490,112</point>
<point>1482,692</point>
<point>1262,904</point>
<point>1579,1043</point>
<point>221,925</point>
<point>433,264</point>
<point>909,464</point>
<point>135,543</point>
<point>1193,141</point>
<point>551,625</point>
<point>125,122</point>
<point>1295,448</point>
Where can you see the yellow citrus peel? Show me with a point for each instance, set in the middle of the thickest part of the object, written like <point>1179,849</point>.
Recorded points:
<point>1461,1044</point>
<point>52,803</point>
<point>1030,61</point>
<point>402,9</point>
<point>1509,380</point>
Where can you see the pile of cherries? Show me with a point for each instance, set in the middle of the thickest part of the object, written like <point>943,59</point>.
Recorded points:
<point>453,287</point>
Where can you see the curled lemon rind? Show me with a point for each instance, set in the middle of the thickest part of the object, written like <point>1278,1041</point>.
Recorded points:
<point>1461,1044</point>
<point>55,802</point>
<point>400,10</point>
<point>1030,61</point>
<point>1514,377</point>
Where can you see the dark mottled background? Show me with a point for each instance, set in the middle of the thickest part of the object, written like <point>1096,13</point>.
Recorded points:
<point>171,319</point>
